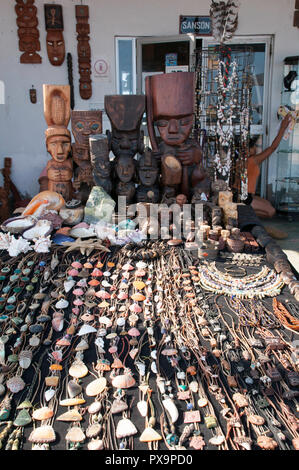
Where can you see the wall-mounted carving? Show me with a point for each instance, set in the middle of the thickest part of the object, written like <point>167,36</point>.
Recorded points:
<point>84,52</point>
<point>58,139</point>
<point>54,27</point>
<point>28,33</point>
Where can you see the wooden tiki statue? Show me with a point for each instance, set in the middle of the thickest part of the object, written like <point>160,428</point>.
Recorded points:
<point>84,125</point>
<point>170,107</point>
<point>58,139</point>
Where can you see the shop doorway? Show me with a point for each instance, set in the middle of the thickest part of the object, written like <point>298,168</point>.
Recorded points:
<point>136,58</point>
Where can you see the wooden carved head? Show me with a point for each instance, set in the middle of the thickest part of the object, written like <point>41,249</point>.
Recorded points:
<point>57,115</point>
<point>85,124</point>
<point>170,105</point>
<point>125,113</point>
<point>148,169</point>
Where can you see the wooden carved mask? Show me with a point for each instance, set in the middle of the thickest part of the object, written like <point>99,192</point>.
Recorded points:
<point>54,27</point>
<point>55,47</point>
<point>170,105</point>
<point>85,124</point>
<point>125,113</point>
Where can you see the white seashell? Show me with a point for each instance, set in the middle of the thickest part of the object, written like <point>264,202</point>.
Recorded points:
<point>86,329</point>
<point>68,285</point>
<point>5,239</point>
<point>125,428</point>
<point>217,440</point>
<point>141,265</point>
<point>154,367</point>
<point>181,375</point>
<point>62,303</point>
<point>106,283</point>
<point>95,444</point>
<point>193,386</point>
<point>140,367</point>
<point>170,406</point>
<point>121,321</point>
<point>106,321</point>
<point>154,354</point>
<point>49,394</point>
<point>99,342</point>
<point>34,341</point>
<point>82,346</point>
<point>102,332</point>
<point>94,407</point>
<point>96,387</point>
<point>18,246</point>
<point>41,229</point>
<point>42,244</point>
<point>25,358</point>
<point>142,408</point>
<point>161,384</point>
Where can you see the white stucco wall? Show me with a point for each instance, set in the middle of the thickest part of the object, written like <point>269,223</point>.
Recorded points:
<point>22,123</point>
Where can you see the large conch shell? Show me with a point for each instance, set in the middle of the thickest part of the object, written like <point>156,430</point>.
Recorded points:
<point>44,200</point>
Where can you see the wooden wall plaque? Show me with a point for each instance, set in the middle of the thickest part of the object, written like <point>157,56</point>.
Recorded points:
<point>84,52</point>
<point>28,33</point>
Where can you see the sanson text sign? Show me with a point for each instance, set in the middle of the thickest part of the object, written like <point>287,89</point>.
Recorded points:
<point>199,25</point>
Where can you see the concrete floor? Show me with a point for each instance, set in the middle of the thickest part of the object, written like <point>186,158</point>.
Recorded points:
<point>289,245</point>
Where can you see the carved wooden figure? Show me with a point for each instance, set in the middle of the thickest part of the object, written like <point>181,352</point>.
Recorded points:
<point>28,33</point>
<point>125,114</point>
<point>84,124</point>
<point>170,106</point>
<point>84,51</point>
<point>100,162</point>
<point>58,139</point>
<point>148,172</point>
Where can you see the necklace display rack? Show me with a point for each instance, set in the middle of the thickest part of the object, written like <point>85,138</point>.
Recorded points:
<point>132,349</point>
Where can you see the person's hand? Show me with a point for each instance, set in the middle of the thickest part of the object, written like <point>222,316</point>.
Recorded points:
<point>285,122</point>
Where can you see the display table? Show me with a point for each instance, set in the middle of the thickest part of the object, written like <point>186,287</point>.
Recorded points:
<point>128,350</point>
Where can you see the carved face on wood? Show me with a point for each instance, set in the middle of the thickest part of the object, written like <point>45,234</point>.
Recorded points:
<point>85,88</point>
<point>84,124</point>
<point>125,168</point>
<point>59,147</point>
<point>125,113</point>
<point>147,169</point>
<point>170,105</point>
<point>175,130</point>
<point>55,47</point>
<point>125,143</point>
<point>29,41</point>
<point>26,12</point>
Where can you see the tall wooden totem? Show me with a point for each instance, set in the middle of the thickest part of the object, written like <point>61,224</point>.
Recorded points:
<point>125,139</point>
<point>58,139</point>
